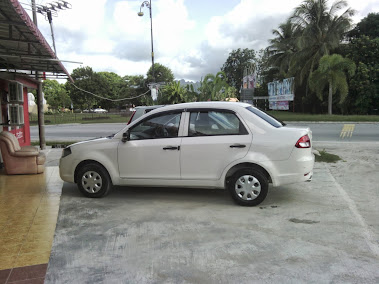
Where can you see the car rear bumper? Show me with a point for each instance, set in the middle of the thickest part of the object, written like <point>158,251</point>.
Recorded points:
<point>298,168</point>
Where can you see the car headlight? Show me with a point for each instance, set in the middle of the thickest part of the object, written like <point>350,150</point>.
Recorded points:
<point>66,151</point>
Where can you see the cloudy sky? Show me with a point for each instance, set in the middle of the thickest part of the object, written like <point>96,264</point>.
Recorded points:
<point>192,37</point>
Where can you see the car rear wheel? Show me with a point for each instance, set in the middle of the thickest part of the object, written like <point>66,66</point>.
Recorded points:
<point>248,187</point>
<point>94,181</point>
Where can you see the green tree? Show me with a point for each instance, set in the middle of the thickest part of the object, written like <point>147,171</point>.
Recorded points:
<point>313,30</point>
<point>364,89</point>
<point>368,26</point>
<point>214,87</point>
<point>161,73</point>
<point>133,87</point>
<point>364,85</point>
<point>85,82</point>
<point>109,87</point>
<point>321,31</point>
<point>234,66</point>
<point>172,93</point>
<point>331,73</point>
<point>56,95</point>
<point>191,94</point>
<point>284,46</point>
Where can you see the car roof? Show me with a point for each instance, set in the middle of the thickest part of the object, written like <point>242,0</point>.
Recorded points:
<point>220,105</point>
<point>149,107</point>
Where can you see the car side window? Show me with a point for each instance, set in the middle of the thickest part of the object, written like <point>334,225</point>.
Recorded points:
<point>161,126</point>
<point>210,123</point>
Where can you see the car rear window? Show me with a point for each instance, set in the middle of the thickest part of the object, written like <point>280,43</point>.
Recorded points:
<point>266,117</point>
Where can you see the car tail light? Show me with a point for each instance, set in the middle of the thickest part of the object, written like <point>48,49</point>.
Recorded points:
<point>130,120</point>
<point>303,142</point>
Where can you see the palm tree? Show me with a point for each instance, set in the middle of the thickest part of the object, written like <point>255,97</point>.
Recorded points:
<point>283,46</point>
<point>214,86</point>
<point>172,93</point>
<point>331,72</point>
<point>322,30</point>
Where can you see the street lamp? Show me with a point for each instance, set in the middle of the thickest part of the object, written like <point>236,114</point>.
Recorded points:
<point>140,13</point>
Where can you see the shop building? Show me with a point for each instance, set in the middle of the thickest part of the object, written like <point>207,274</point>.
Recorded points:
<point>25,59</point>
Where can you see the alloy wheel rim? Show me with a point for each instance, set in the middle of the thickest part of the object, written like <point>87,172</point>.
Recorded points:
<point>92,181</point>
<point>247,187</point>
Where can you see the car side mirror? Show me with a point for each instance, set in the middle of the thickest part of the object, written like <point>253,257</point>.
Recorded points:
<point>125,136</point>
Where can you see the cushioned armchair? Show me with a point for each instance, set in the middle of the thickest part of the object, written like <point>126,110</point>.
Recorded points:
<point>20,160</point>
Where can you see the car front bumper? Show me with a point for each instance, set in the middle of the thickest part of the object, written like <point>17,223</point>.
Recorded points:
<point>67,167</point>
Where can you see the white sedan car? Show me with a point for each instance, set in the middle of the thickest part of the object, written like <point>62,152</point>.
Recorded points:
<point>206,144</point>
<point>99,110</point>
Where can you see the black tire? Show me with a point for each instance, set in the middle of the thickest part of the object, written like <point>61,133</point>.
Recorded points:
<point>248,187</point>
<point>93,181</point>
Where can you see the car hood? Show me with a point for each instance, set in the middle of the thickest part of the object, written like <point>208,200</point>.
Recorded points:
<point>90,141</point>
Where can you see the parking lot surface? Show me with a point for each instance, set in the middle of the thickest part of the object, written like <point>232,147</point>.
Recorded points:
<point>325,231</point>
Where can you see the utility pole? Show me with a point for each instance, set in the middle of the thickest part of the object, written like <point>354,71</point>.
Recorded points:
<point>50,18</point>
<point>41,117</point>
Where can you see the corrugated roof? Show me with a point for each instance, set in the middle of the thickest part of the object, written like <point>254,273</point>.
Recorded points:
<point>22,46</point>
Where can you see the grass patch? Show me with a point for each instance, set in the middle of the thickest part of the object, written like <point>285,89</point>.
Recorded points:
<point>327,157</point>
<point>66,118</point>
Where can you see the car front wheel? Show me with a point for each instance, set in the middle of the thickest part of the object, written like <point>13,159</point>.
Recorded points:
<point>248,187</point>
<point>94,181</point>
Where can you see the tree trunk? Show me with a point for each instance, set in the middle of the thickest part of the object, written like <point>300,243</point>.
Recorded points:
<point>330,98</point>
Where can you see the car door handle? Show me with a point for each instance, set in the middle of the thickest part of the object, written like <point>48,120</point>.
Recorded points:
<point>237,146</point>
<point>171,148</point>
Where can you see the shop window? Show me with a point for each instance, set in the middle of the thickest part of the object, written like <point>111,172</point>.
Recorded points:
<point>16,114</point>
<point>21,114</point>
<point>15,92</point>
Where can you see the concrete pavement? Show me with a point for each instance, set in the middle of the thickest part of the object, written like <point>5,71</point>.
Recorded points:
<point>325,231</point>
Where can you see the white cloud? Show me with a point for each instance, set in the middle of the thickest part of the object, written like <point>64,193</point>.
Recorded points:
<point>248,18</point>
<point>126,22</point>
<point>109,36</point>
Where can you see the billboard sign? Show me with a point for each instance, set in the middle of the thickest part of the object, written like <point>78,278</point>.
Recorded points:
<point>284,105</point>
<point>281,91</point>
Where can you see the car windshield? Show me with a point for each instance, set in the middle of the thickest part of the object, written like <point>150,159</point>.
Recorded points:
<point>266,117</point>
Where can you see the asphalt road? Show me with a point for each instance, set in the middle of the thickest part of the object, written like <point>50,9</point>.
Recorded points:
<point>343,132</point>
<point>322,132</point>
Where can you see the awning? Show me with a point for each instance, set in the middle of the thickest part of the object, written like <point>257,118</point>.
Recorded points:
<point>23,49</point>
